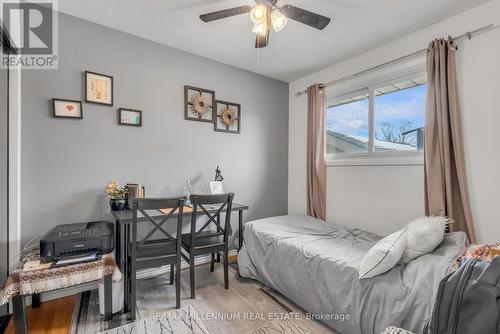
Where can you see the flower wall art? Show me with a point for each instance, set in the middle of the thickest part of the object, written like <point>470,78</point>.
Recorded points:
<point>200,105</point>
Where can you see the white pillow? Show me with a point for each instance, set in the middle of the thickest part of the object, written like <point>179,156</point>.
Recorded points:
<point>384,255</point>
<point>424,235</point>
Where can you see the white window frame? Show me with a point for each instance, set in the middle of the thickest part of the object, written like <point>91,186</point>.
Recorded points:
<point>372,157</point>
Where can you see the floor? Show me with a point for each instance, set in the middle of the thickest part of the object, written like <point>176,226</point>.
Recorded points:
<point>245,297</point>
<point>53,317</point>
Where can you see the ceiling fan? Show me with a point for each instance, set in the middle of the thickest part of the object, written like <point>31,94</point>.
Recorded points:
<point>267,13</point>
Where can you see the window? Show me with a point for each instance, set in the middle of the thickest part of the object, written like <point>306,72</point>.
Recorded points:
<point>381,120</point>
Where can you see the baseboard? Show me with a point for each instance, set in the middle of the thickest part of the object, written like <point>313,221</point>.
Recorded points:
<point>142,274</point>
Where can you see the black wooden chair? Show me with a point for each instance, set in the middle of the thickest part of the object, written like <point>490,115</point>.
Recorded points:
<point>203,241</point>
<point>148,252</point>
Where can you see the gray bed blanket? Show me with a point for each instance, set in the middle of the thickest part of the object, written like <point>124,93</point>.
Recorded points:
<point>315,264</point>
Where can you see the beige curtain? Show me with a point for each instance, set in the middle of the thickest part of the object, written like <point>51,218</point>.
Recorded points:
<point>446,190</point>
<point>316,166</point>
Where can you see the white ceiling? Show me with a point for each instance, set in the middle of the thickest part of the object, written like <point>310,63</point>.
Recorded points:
<point>357,26</point>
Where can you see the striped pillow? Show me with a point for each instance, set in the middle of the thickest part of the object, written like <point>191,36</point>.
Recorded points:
<point>384,255</point>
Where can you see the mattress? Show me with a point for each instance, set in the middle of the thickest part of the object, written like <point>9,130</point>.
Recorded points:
<point>315,264</point>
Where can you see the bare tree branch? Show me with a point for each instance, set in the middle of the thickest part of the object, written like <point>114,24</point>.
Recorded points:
<point>393,134</point>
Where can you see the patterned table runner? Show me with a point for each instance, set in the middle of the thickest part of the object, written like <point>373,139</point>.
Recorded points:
<point>35,277</point>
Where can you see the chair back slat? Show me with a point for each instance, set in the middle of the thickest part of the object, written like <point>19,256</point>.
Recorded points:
<point>220,203</point>
<point>210,199</point>
<point>157,203</point>
<point>157,225</point>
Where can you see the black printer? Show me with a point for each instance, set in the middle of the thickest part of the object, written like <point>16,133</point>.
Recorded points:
<point>72,240</point>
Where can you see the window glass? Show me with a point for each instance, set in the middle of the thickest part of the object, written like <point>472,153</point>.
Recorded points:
<point>347,125</point>
<point>399,116</point>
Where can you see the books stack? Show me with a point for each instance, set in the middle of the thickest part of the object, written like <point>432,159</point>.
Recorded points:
<point>136,190</point>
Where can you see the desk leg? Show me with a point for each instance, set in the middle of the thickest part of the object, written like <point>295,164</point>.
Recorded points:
<point>36,300</point>
<point>218,222</point>
<point>20,322</point>
<point>121,258</point>
<point>118,244</point>
<point>108,297</point>
<point>126,276</point>
<point>240,232</point>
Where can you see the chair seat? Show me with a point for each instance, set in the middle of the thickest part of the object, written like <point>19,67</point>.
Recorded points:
<point>204,240</point>
<point>156,248</point>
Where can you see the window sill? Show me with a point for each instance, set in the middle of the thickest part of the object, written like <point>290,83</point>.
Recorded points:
<point>412,160</point>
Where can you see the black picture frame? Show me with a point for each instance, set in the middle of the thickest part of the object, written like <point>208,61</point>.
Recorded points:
<point>54,112</point>
<point>120,110</point>
<point>87,73</point>
<point>188,104</point>
<point>217,126</point>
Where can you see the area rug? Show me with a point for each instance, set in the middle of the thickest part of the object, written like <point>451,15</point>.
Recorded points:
<point>282,327</point>
<point>87,319</point>
<point>395,330</point>
<point>183,321</point>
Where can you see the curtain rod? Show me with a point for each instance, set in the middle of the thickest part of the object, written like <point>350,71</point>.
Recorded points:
<point>467,35</point>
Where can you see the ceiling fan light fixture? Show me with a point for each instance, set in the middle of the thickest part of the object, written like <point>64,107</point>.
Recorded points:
<point>259,14</point>
<point>260,29</point>
<point>278,20</point>
<point>267,13</point>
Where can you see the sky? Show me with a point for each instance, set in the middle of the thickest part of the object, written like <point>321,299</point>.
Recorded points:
<point>393,108</point>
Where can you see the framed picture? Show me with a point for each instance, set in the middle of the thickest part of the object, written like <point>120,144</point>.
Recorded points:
<point>199,104</point>
<point>130,117</point>
<point>67,108</point>
<point>98,88</point>
<point>228,117</point>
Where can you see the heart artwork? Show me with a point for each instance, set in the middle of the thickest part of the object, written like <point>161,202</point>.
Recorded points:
<point>69,107</point>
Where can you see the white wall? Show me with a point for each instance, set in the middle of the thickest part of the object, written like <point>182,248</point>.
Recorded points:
<point>382,198</point>
<point>480,84</point>
<point>374,198</point>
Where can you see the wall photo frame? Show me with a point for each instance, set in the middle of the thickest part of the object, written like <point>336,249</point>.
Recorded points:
<point>63,108</point>
<point>98,88</point>
<point>131,117</point>
<point>199,104</point>
<point>228,117</point>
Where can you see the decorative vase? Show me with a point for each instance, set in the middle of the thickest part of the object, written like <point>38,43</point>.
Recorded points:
<point>117,204</point>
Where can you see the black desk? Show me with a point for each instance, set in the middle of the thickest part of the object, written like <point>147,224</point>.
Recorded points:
<point>122,236</point>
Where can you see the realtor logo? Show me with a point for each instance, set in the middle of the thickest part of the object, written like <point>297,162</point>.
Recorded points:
<point>31,30</point>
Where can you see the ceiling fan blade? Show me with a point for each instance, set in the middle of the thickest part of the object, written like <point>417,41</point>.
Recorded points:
<point>222,14</point>
<point>306,17</point>
<point>262,41</point>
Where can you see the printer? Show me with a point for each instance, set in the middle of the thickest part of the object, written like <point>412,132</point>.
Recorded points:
<point>74,240</point>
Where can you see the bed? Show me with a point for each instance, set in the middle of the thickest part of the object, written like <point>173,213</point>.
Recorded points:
<point>314,264</point>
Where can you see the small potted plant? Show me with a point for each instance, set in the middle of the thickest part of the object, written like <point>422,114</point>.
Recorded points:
<point>117,196</point>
